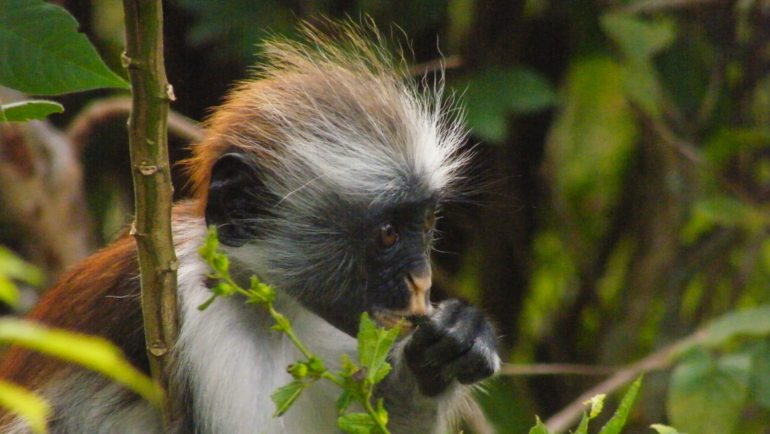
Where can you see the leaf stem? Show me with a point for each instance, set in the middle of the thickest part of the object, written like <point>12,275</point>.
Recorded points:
<point>374,414</point>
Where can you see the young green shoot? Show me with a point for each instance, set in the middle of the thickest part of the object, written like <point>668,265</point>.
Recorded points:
<point>356,381</point>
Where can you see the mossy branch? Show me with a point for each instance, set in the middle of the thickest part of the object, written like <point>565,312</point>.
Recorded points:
<point>153,191</point>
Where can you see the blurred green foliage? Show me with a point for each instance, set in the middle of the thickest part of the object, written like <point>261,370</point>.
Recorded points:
<point>625,148</point>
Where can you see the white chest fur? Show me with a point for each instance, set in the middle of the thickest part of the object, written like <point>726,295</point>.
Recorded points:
<point>236,362</point>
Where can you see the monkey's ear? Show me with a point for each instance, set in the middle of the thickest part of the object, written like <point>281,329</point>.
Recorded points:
<point>237,197</point>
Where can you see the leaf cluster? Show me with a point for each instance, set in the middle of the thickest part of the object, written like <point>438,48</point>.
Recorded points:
<point>44,54</point>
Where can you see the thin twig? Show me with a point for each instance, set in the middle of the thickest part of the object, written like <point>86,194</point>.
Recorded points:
<point>658,360</point>
<point>651,6</point>
<point>84,124</point>
<point>557,369</point>
<point>430,66</point>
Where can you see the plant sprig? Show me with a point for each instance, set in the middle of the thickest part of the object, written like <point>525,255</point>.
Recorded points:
<point>616,422</point>
<point>356,381</point>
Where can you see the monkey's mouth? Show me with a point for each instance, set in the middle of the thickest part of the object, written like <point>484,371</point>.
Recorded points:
<point>391,318</point>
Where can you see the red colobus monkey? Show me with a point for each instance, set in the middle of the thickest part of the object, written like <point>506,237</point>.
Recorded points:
<point>322,176</point>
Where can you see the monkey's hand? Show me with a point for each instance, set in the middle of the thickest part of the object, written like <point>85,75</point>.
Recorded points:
<point>456,343</point>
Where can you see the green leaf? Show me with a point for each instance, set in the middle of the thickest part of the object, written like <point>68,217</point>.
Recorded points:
<point>597,404</point>
<point>591,143</point>
<point>32,408</point>
<point>209,247</point>
<point>618,420</point>
<point>15,268</point>
<point>583,426</point>
<point>725,143</point>
<point>282,323</point>
<point>706,394</point>
<point>747,322</point>
<point>663,429</point>
<point>88,351</point>
<point>11,267</point>
<point>43,53</point>
<point>285,396</point>
<point>207,303</point>
<point>236,25</point>
<point>222,289</point>
<point>24,111</point>
<point>760,376</point>
<point>220,263</point>
<point>639,40</point>
<point>493,94</point>
<point>357,423</point>
<point>724,211</point>
<point>8,293</point>
<point>539,428</point>
<point>343,402</point>
<point>373,347</point>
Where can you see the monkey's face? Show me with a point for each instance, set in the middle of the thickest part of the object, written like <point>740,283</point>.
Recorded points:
<point>338,255</point>
<point>398,264</point>
<point>363,258</point>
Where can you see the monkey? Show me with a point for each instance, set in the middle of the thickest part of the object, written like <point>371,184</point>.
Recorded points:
<point>323,175</point>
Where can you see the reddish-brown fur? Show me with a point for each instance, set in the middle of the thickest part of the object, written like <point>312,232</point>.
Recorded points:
<point>87,300</point>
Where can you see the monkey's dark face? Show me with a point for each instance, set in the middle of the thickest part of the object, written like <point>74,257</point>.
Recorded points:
<point>359,259</point>
<point>339,256</point>
<point>396,243</point>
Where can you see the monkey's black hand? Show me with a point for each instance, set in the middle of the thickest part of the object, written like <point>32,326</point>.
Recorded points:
<point>457,343</point>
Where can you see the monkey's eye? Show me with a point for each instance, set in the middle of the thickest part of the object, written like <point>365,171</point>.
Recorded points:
<point>388,235</point>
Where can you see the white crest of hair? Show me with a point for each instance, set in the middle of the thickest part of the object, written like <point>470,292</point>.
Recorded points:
<point>345,120</point>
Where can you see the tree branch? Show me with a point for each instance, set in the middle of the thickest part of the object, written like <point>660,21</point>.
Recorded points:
<point>151,94</point>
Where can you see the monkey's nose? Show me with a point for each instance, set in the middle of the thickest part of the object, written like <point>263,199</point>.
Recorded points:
<point>419,285</point>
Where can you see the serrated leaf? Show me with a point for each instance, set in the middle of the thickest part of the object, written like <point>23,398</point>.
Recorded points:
<point>539,428</point>
<point>373,347</point>
<point>493,94</point>
<point>222,289</point>
<point>286,395</point>
<point>343,402</point>
<point>663,429</point>
<point>618,420</point>
<point>357,423</point>
<point>706,394</point>
<point>43,53</point>
<point>583,425</point>
<point>23,111</point>
<point>32,408</point>
<point>597,404</point>
<point>89,351</point>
